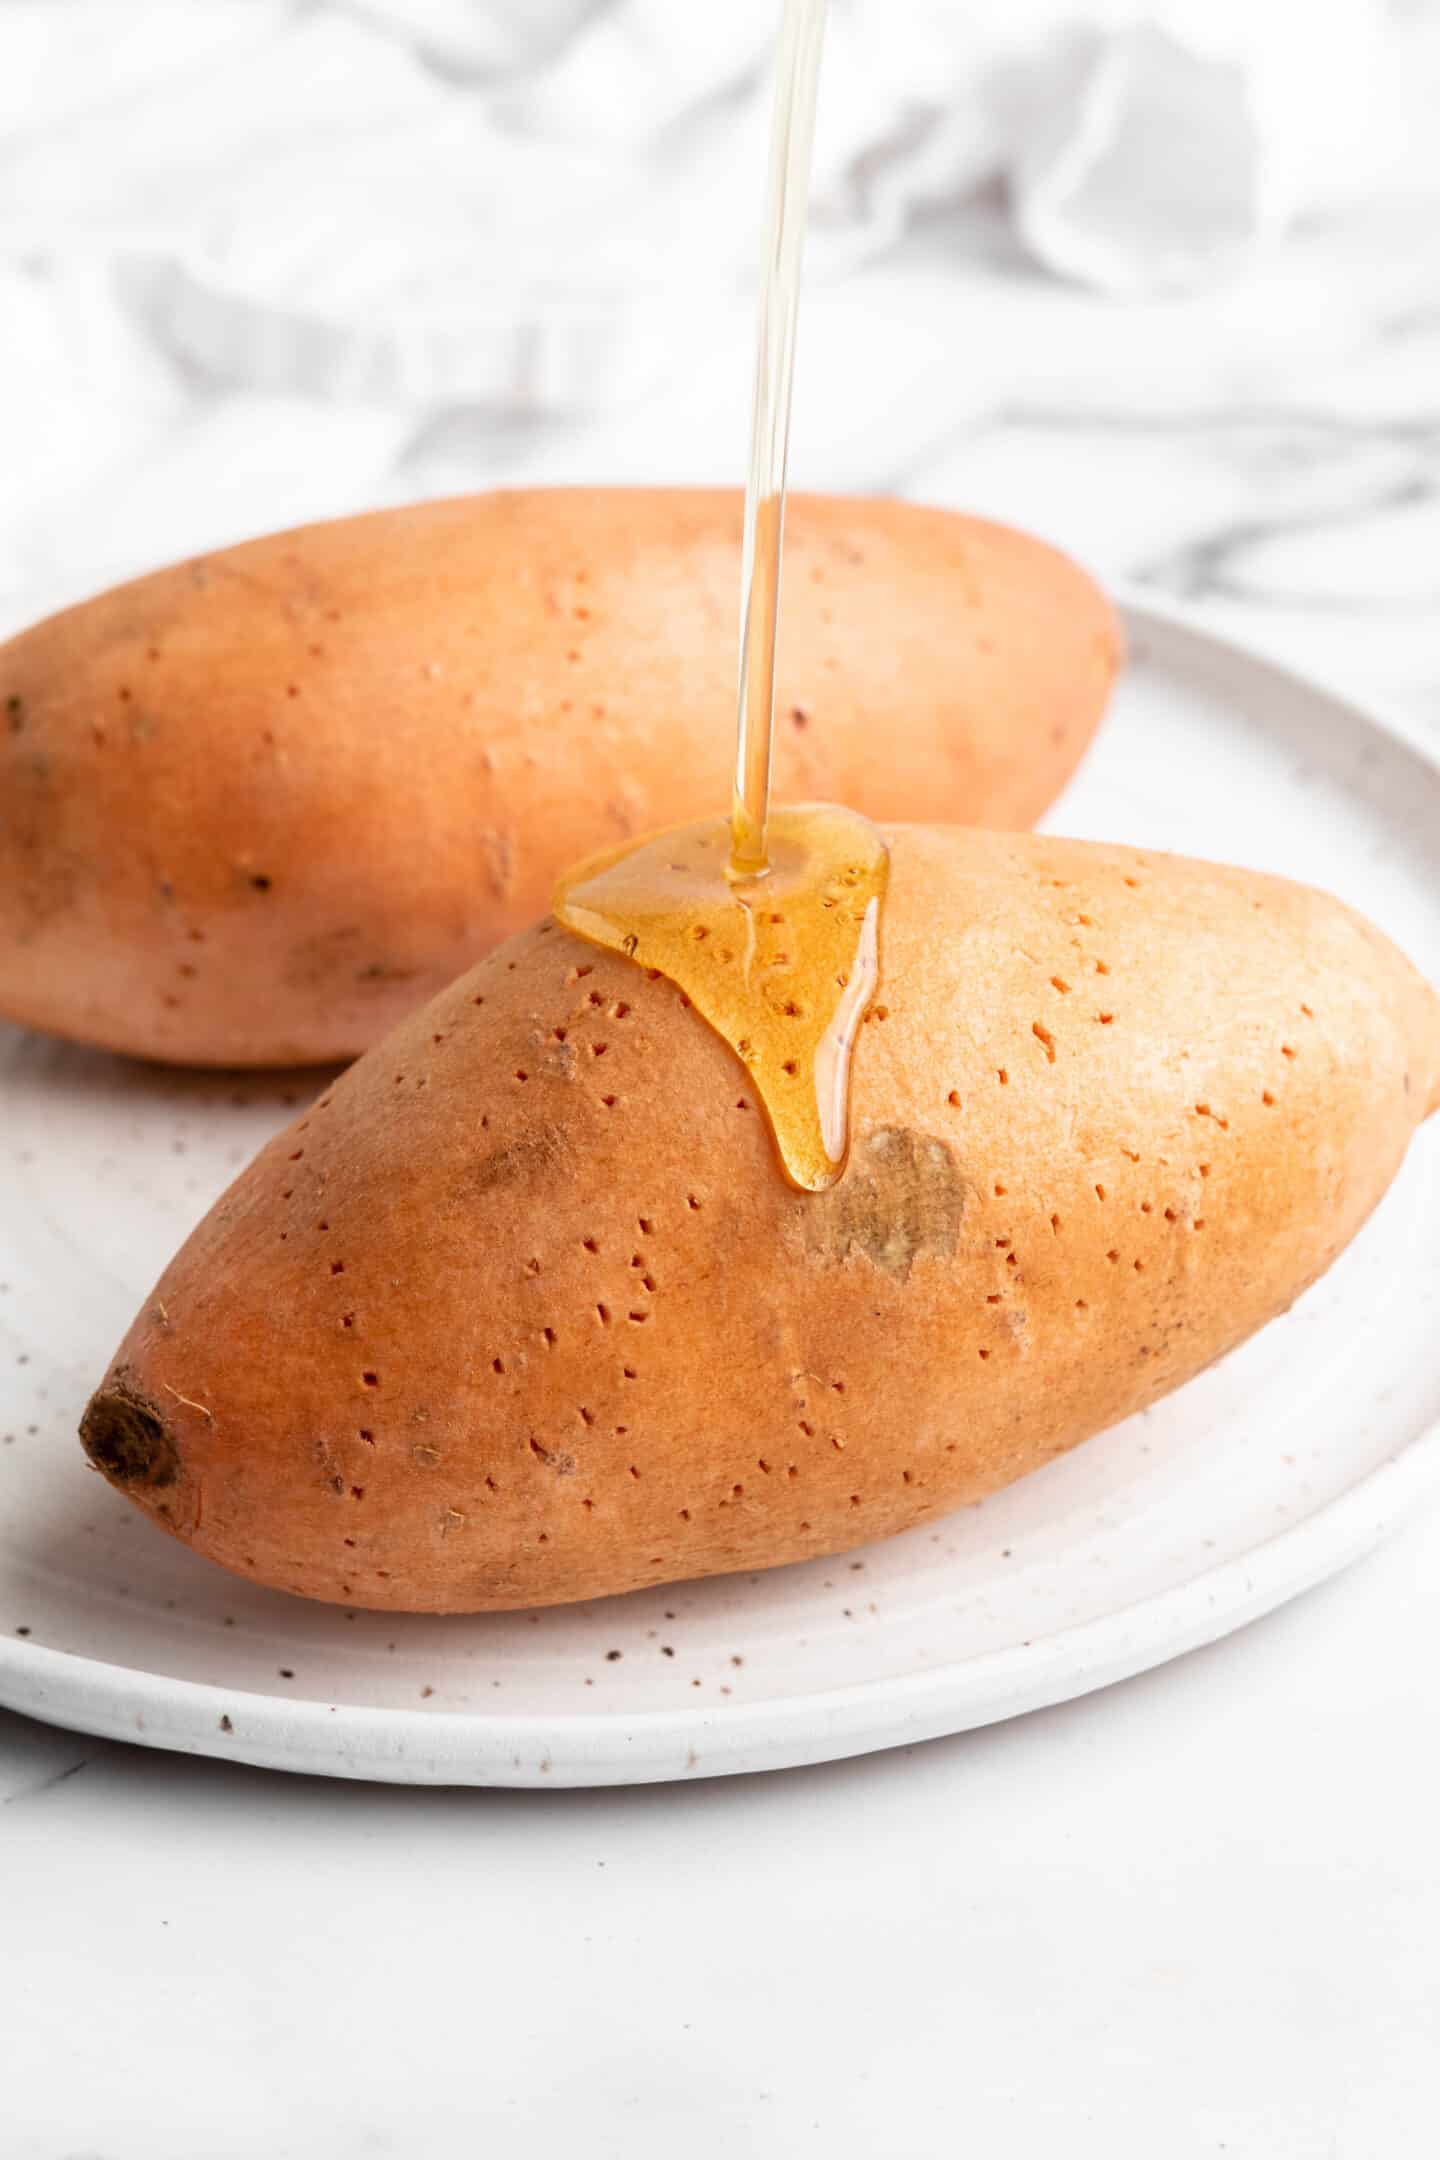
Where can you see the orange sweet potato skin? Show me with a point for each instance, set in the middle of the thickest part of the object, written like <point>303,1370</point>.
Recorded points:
<point>256,807</point>
<point>521,1310</point>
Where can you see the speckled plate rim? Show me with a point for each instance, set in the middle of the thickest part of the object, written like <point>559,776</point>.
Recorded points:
<point>455,1748</point>
<point>458,1748</point>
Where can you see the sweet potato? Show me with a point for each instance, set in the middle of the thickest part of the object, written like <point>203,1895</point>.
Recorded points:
<point>522,1310</point>
<point>255,808</point>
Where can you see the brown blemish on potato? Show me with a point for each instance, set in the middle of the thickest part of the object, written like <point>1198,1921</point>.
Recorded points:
<point>127,1439</point>
<point>560,1460</point>
<point>498,850</point>
<point>902,1196</point>
<point>558,1058</point>
<point>47,876</point>
<point>319,962</point>
<point>537,1156</point>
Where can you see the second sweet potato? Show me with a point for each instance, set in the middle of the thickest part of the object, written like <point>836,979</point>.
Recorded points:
<point>256,807</point>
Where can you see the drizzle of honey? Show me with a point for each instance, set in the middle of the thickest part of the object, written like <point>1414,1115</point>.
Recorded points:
<point>783,966</point>
<point>768,921</point>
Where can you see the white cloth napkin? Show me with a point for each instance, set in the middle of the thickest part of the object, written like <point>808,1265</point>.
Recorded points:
<point>1154,152</point>
<point>494,202</point>
<point>251,250</point>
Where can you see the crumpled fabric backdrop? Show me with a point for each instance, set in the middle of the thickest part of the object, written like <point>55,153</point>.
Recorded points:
<point>261,260</point>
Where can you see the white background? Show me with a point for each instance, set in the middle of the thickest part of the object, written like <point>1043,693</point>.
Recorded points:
<point>1196,1914</point>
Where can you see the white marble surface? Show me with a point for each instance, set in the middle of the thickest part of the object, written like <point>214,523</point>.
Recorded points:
<point>1197,1914</point>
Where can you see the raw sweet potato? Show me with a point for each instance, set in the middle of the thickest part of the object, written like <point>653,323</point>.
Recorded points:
<point>523,1311</point>
<point>255,808</point>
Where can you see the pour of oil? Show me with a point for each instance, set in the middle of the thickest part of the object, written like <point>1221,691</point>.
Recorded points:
<point>797,80</point>
<point>768,921</point>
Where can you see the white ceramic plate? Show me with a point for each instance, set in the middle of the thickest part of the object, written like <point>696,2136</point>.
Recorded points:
<point>1268,1473</point>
